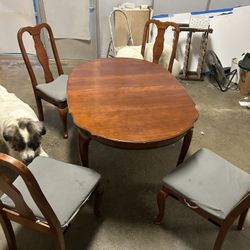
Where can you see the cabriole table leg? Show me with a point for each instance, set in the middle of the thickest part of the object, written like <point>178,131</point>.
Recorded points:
<point>185,146</point>
<point>84,141</point>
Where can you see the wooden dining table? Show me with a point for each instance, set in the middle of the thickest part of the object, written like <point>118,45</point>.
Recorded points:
<point>130,104</point>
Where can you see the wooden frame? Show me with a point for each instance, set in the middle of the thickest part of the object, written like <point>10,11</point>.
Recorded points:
<point>240,210</point>
<point>159,41</point>
<point>23,214</point>
<point>42,56</point>
<point>194,75</point>
<point>136,124</point>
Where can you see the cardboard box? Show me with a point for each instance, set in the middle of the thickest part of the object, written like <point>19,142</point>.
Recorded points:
<point>245,83</point>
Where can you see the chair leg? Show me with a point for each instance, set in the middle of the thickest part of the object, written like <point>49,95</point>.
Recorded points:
<point>8,231</point>
<point>242,219</point>
<point>161,196</point>
<point>98,201</point>
<point>222,233</point>
<point>185,146</point>
<point>39,108</point>
<point>63,115</point>
<point>59,240</point>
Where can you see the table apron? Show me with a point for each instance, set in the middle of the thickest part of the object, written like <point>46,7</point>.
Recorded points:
<point>134,145</point>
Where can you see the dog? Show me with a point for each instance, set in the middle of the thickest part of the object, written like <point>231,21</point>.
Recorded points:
<point>20,130</point>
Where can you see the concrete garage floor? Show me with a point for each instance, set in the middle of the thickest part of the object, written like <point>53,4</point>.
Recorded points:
<point>131,179</point>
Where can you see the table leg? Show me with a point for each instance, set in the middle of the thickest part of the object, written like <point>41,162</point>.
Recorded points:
<point>185,145</point>
<point>84,141</point>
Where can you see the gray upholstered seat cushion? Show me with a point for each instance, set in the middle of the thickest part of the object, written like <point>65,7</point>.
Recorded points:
<point>56,89</point>
<point>209,181</point>
<point>66,187</point>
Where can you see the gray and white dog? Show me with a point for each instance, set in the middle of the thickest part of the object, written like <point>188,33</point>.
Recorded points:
<point>20,129</point>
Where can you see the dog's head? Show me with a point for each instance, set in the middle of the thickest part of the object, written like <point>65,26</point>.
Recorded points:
<point>24,136</point>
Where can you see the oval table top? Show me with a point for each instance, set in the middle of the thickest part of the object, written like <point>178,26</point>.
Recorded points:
<point>122,101</point>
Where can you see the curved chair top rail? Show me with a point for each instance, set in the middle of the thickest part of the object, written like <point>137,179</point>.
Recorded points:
<point>42,56</point>
<point>159,41</point>
<point>35,191</point>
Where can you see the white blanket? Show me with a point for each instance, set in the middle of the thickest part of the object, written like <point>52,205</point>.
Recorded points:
<point>135,52</point>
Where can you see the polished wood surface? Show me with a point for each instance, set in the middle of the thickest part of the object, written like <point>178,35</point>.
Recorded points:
<point>159,40</point>
<point>22,213</point>
<point>43,58</point>
<point>129,103</point>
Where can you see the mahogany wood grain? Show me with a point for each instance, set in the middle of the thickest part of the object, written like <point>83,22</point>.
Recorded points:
<point>42,56</point>
<point>22,213</point>
<point>159,40</point>
<point>8,231</point>
<point>129,103</point>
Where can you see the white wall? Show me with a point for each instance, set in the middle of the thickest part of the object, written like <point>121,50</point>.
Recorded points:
<point>160,7</point>
<point>104,9</point>
<point>224,37</point>
<point>70,48</point>
<point>13,16</point>
<point>215,4</point>
<point>179,6</point>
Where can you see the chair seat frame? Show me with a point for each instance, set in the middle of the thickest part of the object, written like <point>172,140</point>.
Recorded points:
<point>240,210</point>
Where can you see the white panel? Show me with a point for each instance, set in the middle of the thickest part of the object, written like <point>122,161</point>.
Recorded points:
<point>227,41</point>
<point>178,6</point>
<point>15,14</point>
<point>215,4</point>
<point>68,19</point>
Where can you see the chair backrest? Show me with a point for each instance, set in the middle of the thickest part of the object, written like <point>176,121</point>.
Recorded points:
<point>22,213</point>
<point>159,40</point>
<point>42,56</point>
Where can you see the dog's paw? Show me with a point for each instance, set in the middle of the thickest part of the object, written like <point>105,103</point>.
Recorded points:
<point>43,153</point>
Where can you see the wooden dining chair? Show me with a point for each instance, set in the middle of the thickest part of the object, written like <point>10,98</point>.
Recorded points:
<point>54,90</point>
<point>159,40</point>
<point>45,196</point>
<point>211,186</point>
